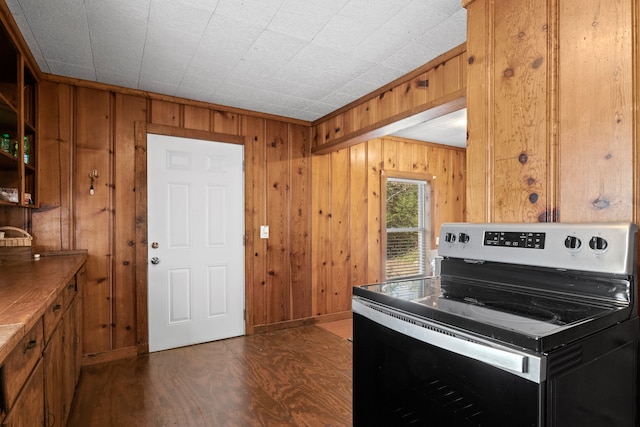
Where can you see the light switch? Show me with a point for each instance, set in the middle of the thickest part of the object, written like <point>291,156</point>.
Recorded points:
<point>264,231</point>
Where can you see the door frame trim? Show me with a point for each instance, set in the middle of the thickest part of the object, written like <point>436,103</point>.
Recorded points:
<point>141,130</point>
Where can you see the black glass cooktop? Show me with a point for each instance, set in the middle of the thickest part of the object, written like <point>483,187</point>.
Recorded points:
<point>512,315</point>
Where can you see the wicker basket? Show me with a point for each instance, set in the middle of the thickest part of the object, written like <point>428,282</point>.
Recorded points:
<point>9,242</point>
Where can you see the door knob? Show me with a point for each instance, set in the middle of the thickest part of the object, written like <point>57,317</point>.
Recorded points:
<point>155,260</point>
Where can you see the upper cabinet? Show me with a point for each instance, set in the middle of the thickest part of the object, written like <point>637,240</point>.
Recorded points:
<point>18,123</point>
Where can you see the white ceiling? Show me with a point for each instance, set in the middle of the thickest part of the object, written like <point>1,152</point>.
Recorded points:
<point>300,59</point>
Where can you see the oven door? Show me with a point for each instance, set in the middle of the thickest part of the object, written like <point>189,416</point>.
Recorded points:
<point>408,372</point>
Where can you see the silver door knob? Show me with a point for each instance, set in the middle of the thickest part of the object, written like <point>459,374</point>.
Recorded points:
<point>155,260</point>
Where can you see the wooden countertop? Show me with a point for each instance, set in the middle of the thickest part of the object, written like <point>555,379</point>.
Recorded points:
<point>27,288</point>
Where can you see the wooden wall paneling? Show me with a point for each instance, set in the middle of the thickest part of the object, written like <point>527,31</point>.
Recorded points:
<point>519,121</point>
<point>390,154</point>
<point>405,155</point>
<point>277,207</point>
<point>128,110</point>
<point>94,225</point>
<point>255,216</point>
<point>165,113</point>
<point>596,111</point>
<point>419,158</point>
<point>197,118</point>
<point>358,215</point>
<point>386,103</point>
<point>340,298</point>
<point>413,92</point>
<point>53,223</point>
<point>479,33</point>
<point>375,165</point>
<point>363,115</point>
<point>226,122</point>
<point>141,243</point>
<point>321,233</point>
<point>299,220</point>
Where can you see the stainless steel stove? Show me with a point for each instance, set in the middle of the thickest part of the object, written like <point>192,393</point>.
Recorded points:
<point>528,325</point>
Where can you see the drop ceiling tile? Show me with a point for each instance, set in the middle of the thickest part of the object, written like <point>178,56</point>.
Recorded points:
<point>342,34</point>
<point>255,12</point>
<point>61,30</point>
<point>163,68</point>
<point>157,87</point>
<point>184,17</point>
<point>373,13</point>
<point>72,70</point>
<point>416,18</point>
<point>117,79</point>
<point>293,20</point>
<point>163,41</point>
<point>380,75</point>
<point>358,87</point>
<point>16,10</point>
<point>337,98</point>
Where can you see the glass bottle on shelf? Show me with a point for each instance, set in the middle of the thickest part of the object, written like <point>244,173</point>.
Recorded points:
<point>5,143</point>
<point>26,150</point>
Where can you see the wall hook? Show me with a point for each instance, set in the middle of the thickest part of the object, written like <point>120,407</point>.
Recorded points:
<point>93,175</point>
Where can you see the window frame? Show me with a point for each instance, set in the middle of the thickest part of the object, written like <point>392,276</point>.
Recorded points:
<point>429,216</point>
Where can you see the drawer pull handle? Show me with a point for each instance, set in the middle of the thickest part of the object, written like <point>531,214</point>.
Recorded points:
<point>30,345</point>
<point>57,307</point>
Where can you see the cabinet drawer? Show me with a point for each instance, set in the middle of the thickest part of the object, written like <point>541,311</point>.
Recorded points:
<point>20,363</point>
<point>54,312</point>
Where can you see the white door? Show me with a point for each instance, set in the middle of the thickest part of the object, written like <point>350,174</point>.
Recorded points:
<point>195,205</point>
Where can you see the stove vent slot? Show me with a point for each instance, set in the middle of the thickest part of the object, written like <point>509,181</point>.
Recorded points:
<point>417,322</point>
<point>565,359</point>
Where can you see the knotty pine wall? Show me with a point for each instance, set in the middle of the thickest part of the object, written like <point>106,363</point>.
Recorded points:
<point>346,219</point>
<point>552,110</point>
<point>323,210</point>
<point>83,128</point>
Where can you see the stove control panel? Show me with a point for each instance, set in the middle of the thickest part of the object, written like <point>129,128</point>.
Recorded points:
<point>597,247</point>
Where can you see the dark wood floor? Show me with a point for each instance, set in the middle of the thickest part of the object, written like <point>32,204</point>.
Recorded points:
<point>293,377</point>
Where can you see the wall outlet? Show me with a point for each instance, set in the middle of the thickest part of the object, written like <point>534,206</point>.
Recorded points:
<point>264,231</point>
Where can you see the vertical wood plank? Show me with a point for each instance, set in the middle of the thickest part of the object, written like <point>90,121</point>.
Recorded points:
<point>197,118</point>
<point>128,110</point>
<point>299,221</point>
<point>479,32</point>
<point>53,222</point>
<point>340,251</point>
<point>321,233</point>
<point>519,122</point>
<point>595,111</point>
<point>226,122</point>
<point>255,215</point>
<point>94,151</point>
<point>279,272</point>
<point>165,113</point>
<point>358,221</point>
<point>375,165</point>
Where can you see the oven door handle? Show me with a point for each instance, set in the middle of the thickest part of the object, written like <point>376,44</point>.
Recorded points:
<point>519,363</point>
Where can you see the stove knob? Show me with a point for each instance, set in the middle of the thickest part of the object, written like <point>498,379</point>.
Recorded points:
<point>598,244</point>
<point>572,242</point>
<point>463,238</point>
<point>450,237</point>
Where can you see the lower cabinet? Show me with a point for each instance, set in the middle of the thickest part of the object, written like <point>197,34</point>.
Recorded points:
<point>27,410</point>
<point>60,369</point>
<point>39,377</point>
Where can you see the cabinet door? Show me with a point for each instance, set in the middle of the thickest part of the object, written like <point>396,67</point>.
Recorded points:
<point>53,380</point>
<point>28,410</point>
<point>69,349</point>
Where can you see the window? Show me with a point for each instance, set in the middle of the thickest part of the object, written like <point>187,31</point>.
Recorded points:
<point>408,227</point>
